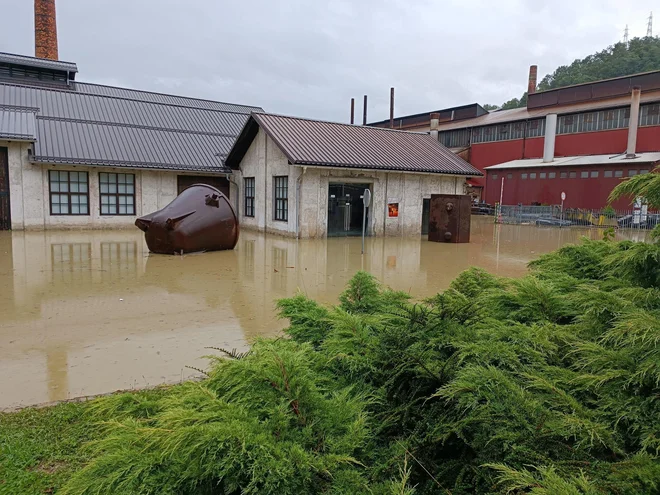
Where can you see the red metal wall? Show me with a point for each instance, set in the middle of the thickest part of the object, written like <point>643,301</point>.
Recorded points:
<point>483,155</point>
<point>580,193</point>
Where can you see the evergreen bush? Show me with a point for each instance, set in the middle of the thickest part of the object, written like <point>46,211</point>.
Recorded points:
<point>549,384</point>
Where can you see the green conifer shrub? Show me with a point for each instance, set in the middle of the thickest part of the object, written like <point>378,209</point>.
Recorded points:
<point>549,384</point>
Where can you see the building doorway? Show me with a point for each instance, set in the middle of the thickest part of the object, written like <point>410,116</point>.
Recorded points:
<point>5,211</point>
<point>345,208</point>
<point>185,181</point>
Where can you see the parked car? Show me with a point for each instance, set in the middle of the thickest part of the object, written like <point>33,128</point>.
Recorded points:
<point>482,209</point>
<point>651,221</point>
<point>554,222</point>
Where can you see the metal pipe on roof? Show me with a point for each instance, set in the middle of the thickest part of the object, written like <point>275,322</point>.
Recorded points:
<point>549,139</point>
<point>391,108</point>
<point>435,124</point>
<point>352,111</point>
<point>364,111</point>
<point>633,122</point>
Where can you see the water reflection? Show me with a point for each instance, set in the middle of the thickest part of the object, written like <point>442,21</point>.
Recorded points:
<point>90,312</point>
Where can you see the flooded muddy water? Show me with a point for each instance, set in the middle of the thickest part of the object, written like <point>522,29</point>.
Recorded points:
<point>90,312</point>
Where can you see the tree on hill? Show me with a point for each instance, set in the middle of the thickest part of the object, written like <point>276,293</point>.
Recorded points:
<point>639,55</point>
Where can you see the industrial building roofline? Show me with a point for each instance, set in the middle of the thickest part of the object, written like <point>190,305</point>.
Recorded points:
<point>577,161</point>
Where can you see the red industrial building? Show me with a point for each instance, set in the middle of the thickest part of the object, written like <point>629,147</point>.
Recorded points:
<point>589,129</point>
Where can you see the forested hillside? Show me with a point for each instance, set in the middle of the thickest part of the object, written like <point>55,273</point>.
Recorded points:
<point>639,55</point>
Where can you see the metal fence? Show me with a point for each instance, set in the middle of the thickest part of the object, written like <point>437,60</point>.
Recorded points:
<point>638,218</point>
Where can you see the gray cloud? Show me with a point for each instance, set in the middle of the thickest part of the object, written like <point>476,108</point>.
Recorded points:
<point>308,58</point>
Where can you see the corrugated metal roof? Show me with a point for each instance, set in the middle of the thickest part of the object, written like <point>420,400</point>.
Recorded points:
<point>314,142</point>
<point>103,125</point>
<point>517,114</point>
<point>577,161</point>
<point>40,63</point>
<point>17,124</point>
<point>62,141</point>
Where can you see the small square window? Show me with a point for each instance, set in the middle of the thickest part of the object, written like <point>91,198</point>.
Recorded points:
<point>552,175</point>
<point>494,176</point>
<point>642,172</point>
<point>543,175</point>
<point>563,175</point>
<point>607,174</point>
<point>618,173</point>
<point>509,176</point>
<point>532,175</point>
<point>584,175</point>
<point>117,193</point>
<point>632,173</point>
<point>523,176</point>
<point>594,174</point>
<point>572,175</point>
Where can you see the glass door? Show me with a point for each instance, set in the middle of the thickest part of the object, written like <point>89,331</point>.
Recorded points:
<point>345,207</point>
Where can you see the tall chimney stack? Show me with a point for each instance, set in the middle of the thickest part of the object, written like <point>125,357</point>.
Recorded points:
<point>45,29</point>
<point>633,122</point>
<point>352,111</point>
<point>531,84</point>
<point>364,111</point>
<point>391,108</point>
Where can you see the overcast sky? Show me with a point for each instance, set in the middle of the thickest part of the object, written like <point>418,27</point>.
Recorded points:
<point>308,58</point>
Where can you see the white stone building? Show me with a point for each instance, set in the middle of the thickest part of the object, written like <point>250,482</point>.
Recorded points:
<point>305,178</point>
<point>77,155</point>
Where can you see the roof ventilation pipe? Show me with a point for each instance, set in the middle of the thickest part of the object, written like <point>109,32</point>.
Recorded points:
<point>633,122</point>
<point>549,139</point>
<point>435,124</point>
<point>391,108</point>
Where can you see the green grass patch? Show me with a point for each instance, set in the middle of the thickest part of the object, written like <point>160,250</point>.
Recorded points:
<point>40,448</point>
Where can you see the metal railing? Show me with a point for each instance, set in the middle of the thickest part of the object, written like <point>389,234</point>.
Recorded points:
<point>554,216</point>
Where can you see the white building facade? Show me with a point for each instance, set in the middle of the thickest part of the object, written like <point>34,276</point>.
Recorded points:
<point>286,183</point>
<point>76,155</point>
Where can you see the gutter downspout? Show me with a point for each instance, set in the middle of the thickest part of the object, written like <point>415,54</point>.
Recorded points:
<point>265,182</point>
<point>298,187</point>
<point>238,196</point>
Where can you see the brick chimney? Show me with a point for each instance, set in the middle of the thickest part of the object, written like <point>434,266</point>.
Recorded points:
<point>45,29</point>
<point>531,85</point>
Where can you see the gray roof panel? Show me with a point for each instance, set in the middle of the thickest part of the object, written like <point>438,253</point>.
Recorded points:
<point>314,142</point>
<point>76,143</point>
<point>103,125</point>
<point>17,123</point>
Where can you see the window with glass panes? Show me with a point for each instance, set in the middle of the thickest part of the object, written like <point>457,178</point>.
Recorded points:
<point>69,192</point>
<point>117,193</point>
<point>281,185</point>
<point>249,196</point>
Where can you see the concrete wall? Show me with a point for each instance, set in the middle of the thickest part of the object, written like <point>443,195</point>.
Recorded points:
<point>29,194</point>
<point>308,190</point>
<point>263,161</point>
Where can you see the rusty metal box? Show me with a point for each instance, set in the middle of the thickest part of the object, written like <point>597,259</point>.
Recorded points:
<point>449,218</point>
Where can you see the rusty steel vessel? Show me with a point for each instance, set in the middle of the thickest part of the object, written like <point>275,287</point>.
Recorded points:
<point>201,218</point>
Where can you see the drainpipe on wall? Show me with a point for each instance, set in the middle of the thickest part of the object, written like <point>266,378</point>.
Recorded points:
<point>265,182</point>
<point>633,122</point>
<point>298,187</point>
<point>549,139</point>
<point>238,196</point>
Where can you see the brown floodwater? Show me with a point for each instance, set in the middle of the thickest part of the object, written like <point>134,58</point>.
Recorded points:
<point>90,312</point>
